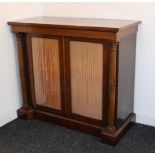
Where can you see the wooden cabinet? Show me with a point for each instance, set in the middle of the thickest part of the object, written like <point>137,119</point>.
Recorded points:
<point>78,73</point>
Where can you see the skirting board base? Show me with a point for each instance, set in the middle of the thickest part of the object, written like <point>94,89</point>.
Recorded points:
<point>8,117</point>
<point>145,119</point>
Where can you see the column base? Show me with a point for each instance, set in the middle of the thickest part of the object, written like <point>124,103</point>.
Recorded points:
<point>113,136</point>
<point>25,113</point>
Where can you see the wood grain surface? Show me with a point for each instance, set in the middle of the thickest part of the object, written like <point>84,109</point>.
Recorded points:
<point>86,78</point>
<point>45,54</point>
<point>89,23</point>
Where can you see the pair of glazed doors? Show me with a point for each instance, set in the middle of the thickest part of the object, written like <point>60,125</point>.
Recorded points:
<point>70,76</point>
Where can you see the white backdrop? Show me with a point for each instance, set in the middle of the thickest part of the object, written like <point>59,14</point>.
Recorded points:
<point>10,96</point>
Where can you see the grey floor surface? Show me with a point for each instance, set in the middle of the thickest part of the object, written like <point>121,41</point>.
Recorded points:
<point>38,136</point>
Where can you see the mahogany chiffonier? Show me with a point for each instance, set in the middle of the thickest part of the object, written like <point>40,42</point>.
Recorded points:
<point>78,73</point>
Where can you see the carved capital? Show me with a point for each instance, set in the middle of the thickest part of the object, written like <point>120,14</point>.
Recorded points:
<point>114,46</point>
<point>18,36</point>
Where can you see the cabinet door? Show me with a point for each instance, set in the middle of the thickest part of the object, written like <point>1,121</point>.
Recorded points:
<point>85,61</point>
<point>46,58</point>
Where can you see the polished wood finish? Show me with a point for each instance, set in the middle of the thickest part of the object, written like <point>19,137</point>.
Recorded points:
<point>113,136</point>
<point>22,61</point>
<point>68,122</point>
<point>46,68</point>
<point>78,73</point>
<point>86,61</point>
<point>25,113</point>
<point>112,86</point>
<point>80,27</point>
<point>126,64</point>
<point>86,23</point>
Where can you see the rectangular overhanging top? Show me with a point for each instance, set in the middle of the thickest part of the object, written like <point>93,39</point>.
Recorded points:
<point>87,24</point>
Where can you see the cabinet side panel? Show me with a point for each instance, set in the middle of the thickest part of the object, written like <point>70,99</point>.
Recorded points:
<point>126,75</point>
<point>45,53</point>
<point>86,61</point>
